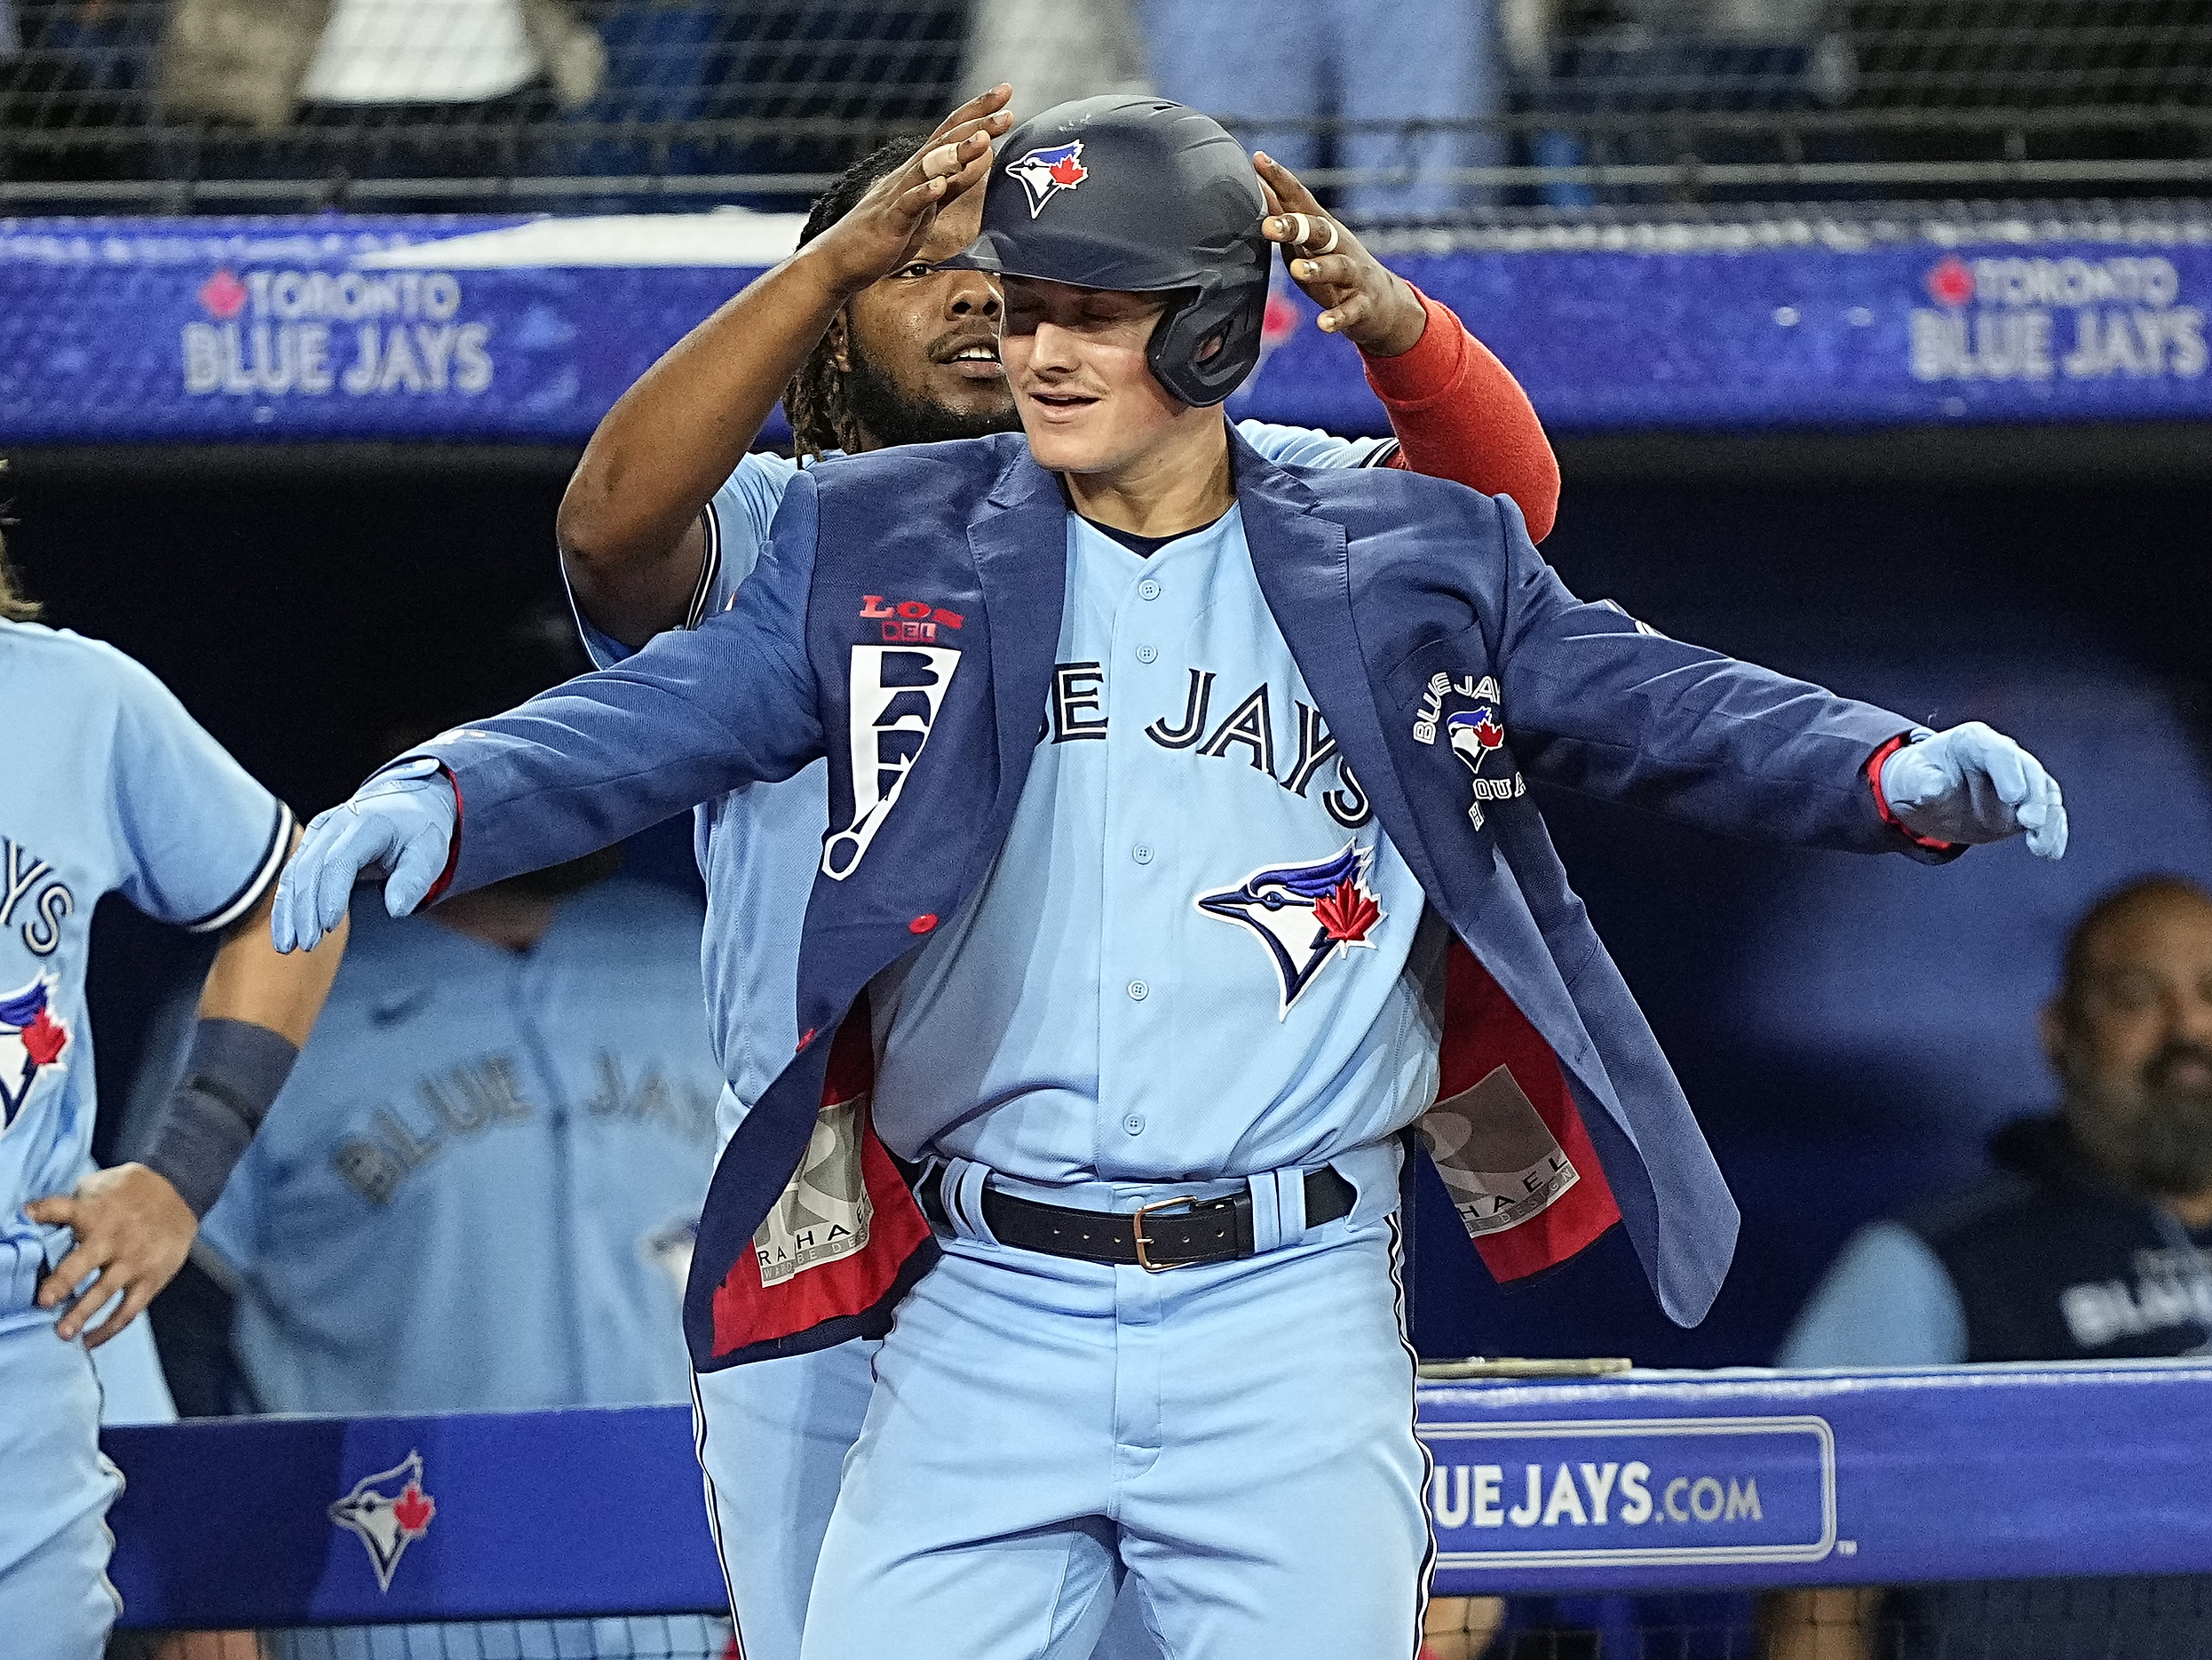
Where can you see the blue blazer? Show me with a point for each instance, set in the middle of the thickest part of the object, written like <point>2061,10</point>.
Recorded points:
<point>1417,611</point>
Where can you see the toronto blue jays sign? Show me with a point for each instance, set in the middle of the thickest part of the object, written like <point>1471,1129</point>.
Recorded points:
<point>508,328</point>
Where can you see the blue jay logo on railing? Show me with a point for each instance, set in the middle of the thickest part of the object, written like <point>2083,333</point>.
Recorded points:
<point>31,1040</point>
<point>1045,173</point>
<point>387,1512</point>
<point>1303,913</point>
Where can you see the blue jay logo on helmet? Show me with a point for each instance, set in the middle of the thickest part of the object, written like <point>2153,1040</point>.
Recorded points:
<point>1304,914</point>
<point>31,1040</point>
<point>1045,173</point>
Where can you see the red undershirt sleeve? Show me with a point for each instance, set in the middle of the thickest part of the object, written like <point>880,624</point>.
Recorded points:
<point>1459,414</point>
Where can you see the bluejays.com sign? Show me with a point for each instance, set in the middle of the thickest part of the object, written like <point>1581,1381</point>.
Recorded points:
<point>1632,1492</point>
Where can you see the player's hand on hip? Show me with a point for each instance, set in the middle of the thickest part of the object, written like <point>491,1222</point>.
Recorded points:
<point>889,223</point>
<point>400,823</point>
<point>1361,297</point>
<point>133,1232</point>
<point>1973,784</point>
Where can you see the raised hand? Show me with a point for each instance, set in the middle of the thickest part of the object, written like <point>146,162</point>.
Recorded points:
<point>1364,300</point>
<point>892,220</point>
<point>401,822</point>
<point>1974,784</point>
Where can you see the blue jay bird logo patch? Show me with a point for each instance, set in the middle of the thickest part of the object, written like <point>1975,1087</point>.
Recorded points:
<point>1474,733</point>
<point>1045,173</point>
<point>387,1512</point>
<point>31,1040</point>
<point>1304,914</point>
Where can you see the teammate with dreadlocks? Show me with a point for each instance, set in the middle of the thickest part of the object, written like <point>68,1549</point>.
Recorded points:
<point>872,344</point>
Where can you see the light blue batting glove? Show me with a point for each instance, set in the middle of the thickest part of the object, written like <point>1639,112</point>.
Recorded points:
<point>401,823</point>
<point>1972,784</point>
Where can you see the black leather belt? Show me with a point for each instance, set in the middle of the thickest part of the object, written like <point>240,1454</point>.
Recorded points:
<point>1171,1234</point>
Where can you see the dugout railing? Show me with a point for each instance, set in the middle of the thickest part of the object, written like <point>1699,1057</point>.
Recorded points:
<point>1654,1512</point>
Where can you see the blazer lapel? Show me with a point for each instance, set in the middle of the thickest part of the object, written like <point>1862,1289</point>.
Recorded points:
<point>1301,559</point>
<point>1019,537</point>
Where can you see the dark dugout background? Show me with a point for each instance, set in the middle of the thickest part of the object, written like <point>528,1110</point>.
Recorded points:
<point>1850,1030</point>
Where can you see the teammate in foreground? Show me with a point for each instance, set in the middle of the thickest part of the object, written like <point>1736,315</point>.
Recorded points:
<point>114,789</point>
<point>874,343</point>
<point>1156,987</point>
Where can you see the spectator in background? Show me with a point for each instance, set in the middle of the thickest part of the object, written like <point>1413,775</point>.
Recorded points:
<point>1382,69</point>
<point>2091,1243</point>
<point>478,1189</point>
<point>1053,51</point>
<point>395,88</point>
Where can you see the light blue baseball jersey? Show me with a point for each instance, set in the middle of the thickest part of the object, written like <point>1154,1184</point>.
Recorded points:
<point>478,1189</point>
<point>758,847</point>
<point>1197,957</point>
<point>110,787</point>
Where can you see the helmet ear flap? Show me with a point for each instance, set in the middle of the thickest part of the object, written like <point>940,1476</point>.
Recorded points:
<point>1204,346</point>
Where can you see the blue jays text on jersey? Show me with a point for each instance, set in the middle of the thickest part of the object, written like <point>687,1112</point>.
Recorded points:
<point>1377,582</point>
<point>113,788</point>
<point>567,1094</point>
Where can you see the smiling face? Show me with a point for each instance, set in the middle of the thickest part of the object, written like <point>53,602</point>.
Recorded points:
<point>920,347</point>
<point>2131,1036</point>
<point>1088,398</point>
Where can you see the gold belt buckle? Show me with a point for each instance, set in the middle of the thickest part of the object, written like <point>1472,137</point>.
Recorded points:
<point>1137,1227</point>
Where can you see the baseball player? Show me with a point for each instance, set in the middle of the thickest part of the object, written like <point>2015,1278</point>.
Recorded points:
<point>536,1054</point>
<point>877,345</point>
<point>111,787</point>
<point>1163,781</point>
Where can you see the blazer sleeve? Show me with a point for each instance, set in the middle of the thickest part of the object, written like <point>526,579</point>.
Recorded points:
<point>1604,704</point>
<point>697,713</point>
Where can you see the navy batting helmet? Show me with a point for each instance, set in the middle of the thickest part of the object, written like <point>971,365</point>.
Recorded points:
<point>1142,196</point>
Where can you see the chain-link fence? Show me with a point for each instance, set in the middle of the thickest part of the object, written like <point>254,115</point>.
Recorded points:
<point>1405,110</point>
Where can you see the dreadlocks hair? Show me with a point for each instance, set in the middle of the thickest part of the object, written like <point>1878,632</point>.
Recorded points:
<point>816,400</point>
<point>15,605</point>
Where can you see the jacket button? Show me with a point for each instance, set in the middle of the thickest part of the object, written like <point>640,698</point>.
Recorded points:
<point>923,922</point>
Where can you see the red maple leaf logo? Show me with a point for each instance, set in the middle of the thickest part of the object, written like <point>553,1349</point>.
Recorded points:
<point>1068,171</point>
<point>1488,733</point>
<point>222,294</point>
<point>413,1510</point>
<point>45,1039</point>
<point>1951,282</point>
<point>1347,914</point>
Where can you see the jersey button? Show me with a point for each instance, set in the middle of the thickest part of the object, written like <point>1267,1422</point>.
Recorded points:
<point>1134,1123</point>
<point>1141,852</point>
<point>923,922</point>
<point>1138,990</point>
<point>1148,589</point>
<point>1146,653</point>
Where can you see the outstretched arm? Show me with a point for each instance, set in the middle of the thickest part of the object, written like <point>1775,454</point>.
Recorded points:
<point>629,527</point>
<point>1458,412</point>
<point>1602,703</point>
<point>697,712</point>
